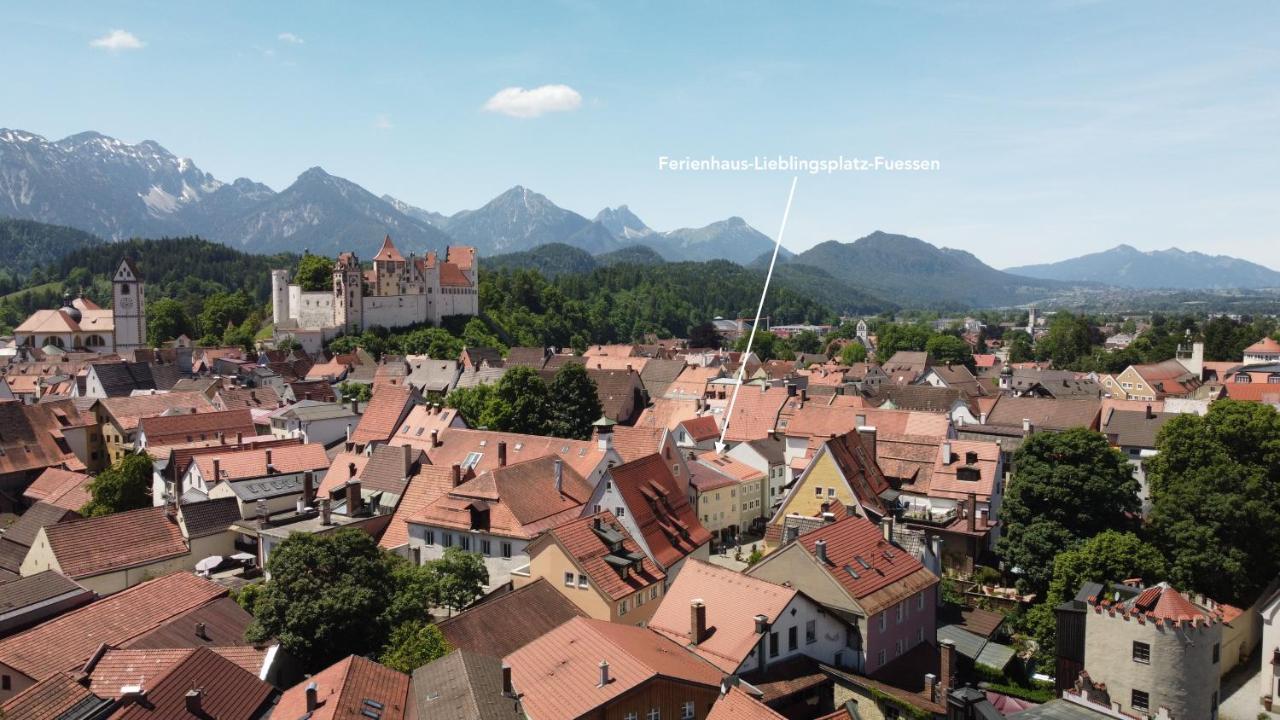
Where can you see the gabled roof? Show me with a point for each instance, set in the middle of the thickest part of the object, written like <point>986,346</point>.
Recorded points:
<point>1045,413</point>
<point>558,674</point>
<point>755,412</point>
<point>91,546</point>
<point>37,588</point>
<point>478,449</point>
<point>872,570</point>
<point>1134,428</point>
<point>424,488</point>
<point>382,416</point>
<point>658,374</point>
<point>668,524</point>
<point>31,436</point>
<point>67,641</point>
<point>388,252</point>
<point>121,378</point>
<point>226,690</point>
<point>950,475</point>
<point>504,624</point>
<point>209,517</point>
<point>590,542</point>
<point>732,601</point>
<point>635,442</point>
<point>61,488</point>
<point>129,411</point>
<point>859,469</point>
<point>462,685</point>
<point>736,704</point>
<point>56,697</point>
<point>23,531</point>
<point>703,427</point>
<point>239,464</point>
<point>261,398</point>
<point>187,427</point>
<point>343,690</point>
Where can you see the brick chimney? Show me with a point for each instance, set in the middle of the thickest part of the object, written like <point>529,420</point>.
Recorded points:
<point>502,453</point>
<point>353,498</point>
<point>457,474</point>
<point>435,438</point>
<point>697,621</point>
<point>408,459</point>
<point>308,488</point>
<point>971,512</point>
<point>868,435</point>
<point>559,475</point>
<point>217,470</point>
<point>508,688</point>
<point>946,666</point>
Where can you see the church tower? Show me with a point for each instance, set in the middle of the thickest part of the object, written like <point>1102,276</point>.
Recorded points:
<point>128,308</point>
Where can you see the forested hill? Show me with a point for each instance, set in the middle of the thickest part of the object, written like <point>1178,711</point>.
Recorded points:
<point>26,245</point>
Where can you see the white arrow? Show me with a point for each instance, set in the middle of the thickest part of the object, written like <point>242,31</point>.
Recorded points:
<point>742,367</point>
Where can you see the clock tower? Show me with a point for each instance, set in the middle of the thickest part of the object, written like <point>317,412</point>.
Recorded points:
<point>128,308</point>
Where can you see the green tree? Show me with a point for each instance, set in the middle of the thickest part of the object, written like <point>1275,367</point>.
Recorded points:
<point>1215,494</point>
<point>852,353</point>
<point>1067,487</point>
<point>315,273</point>
<point>766,345</point>
<point>458,578</point>
<point>896,337</point>
<point>327,597</point>
<point>1069,339</point>
<point>476,333</point>
<point>166,320</point>
<point>806,341</point>
<point>355,391</point>
<point>412,645</point>
<point>574,401</point>
<point>703,335</point>
<point>522,402</point>
<point>126,485</point>
<point>222,309</point>
<point>949,350</point>
<point>478,405</point>
<point>435,343</point>
<point>1018,344</point>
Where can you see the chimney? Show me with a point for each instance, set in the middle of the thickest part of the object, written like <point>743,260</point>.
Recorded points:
<point>604,437</point>
<point>457,474</point>
<point>804,395</point>
<point>982,418</point>
<point>201,632</point>
<point>217,470</point>
<point>886,527</point>
<point>267,455</point>
<point>193,697</point>
<point>1027,427</point>
<point>762,624</point>
<point>697,621</point>
<point>604,673</point>
<point>239,438</point>
<point>1150,415</point>
<point>325,519</point>
<point>502,453</point>
<point>353,498</point>
<point>351,471</point>
<point>828,518</point>
<point>355,406</point>
<point>408,459</point>
<point>308,488</point>
<point>820,549</point>
<point>946,453</point>
<point>559,472</point>
<point>791,389</point>
<point>313,701</point>
<point>435,438</point>
<point>261,507</point>
<point>508,690</point>
<point>868,435</point>
<point>972,511</point>
<point>947,667</point>
<point>930,686</point>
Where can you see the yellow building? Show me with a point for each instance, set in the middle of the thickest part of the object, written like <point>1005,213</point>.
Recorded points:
<point>730,496</point>
<point>595,563</point>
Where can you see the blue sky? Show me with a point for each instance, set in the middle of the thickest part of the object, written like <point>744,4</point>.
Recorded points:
<point>1061,127</point>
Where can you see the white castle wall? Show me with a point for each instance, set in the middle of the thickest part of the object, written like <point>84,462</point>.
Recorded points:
<point>396,310</point>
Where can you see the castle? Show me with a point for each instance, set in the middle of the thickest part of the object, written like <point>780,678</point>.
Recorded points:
<point>395,293</point>
<point>80,324</point>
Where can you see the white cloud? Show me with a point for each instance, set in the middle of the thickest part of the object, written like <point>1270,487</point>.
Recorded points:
<point>117,40</point>
<point>289,38</point>
<point>522,103</point>
<point>382,122</point>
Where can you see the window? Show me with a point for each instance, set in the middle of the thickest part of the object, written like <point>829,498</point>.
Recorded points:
<point>506,549</point>
<point>686,711</point>
<point>773,644</point>
<point>446,539</point>
<point>920,600</point>
<point>818,491</point>
<point>582,581</point>
<point>620,512</point>
<point>899,646</point>
<point>654,714</point>
<point>792,640</point>
<point>1140,700</point>
<point>880,658</point>
<point>622,608</point>
<point>429,537</point>
<point>920,634</point>
<point>884,621</point>
<point>1141,652</point>
<point>6,683</point>
<point>485,547</point>
<point>568,579</point>
<point>465,542</point>
<point>1215,653</point>
<point>811,632</point>
<point>902,611</point>
<point>831,492</point>
<point>630,716</point>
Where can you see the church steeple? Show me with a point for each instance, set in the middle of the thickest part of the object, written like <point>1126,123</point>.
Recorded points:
<point>128,308</point>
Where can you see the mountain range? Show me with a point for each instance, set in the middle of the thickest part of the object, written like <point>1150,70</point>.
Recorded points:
<point>116,190</point>
<point>1127,266</point>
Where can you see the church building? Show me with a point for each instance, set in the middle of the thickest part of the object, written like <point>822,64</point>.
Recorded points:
<point>80,324</point>
<point>395,292</point>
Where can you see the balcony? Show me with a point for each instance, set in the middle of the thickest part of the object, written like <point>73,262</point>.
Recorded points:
<point>927,516</point>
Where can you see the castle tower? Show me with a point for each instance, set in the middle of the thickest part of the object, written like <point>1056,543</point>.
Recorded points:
<point>279,296</point>
<point>348,294</point>
<point>128,308</point>
<point>862,331</point>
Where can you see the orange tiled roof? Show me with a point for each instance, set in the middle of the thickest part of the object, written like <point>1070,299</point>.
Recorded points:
<point>754,413</point>
<point>226,690</point>
<point>91,546</point>
<point>635,442</point>
<point>388,252</point>
<point>424,488</point>
<point>1265,345</point>
<point>588,550</point>
<point>185,428</point>
<point>129,411</point>
<point>382,417</point>
<point>243,464</point>
<point>478,449</point>
<point>702,428</point>
<point>60,488</point>
<point>852,541</point>
<point>342,689</point>
<point>738,705</point>
<point>668,524</point>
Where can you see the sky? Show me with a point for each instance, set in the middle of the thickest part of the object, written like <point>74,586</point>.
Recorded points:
<point>1058,127</point>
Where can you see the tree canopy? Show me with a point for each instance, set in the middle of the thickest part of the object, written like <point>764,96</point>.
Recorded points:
<point>315,273</point>
<point>522,402</point>
<point>126,485</point>
<point>1067,487</point>
<point>574,401</point>
<point>1215,494</point>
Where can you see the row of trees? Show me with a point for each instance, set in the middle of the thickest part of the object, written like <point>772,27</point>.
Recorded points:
<point>522,402</point>
<point>1071,513</point>
<point>335,594</point>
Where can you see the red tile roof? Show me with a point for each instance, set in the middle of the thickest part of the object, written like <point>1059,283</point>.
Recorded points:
<point>49,699</point>
<point>1265,345</point>
<point>185,428</point>
<point>458,444</point>
<point>119,667</point>
<point>635,442</point>
<point>858,544</point>
<point>90,546</point>
<point>31,436</point>
<point>755,412</point>
<point>738,705</point>
<point>506,623</point>
<point>669,526</point>
<point>226,691</point>
<point>129,411</point>
<point>452,276</point>
<point>558,675</point>
<point>381,419</point>
<point>60,488</point>
<point>388,252</point>
<point>702,428</point>
<point>589,551</point>
<point>342,689</point>
<point>243,464</point>
<point>732,601</point>
<point>426,487</point>
<point>66,642</point>
<point>946,481</point>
